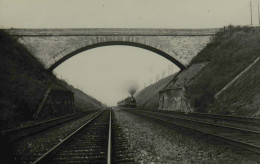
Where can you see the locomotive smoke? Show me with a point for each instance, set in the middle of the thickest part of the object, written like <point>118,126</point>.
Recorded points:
<point>132,90</point>
<point>131,86</point>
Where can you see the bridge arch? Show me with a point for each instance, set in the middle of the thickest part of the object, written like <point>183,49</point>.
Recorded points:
<point>111,43</point>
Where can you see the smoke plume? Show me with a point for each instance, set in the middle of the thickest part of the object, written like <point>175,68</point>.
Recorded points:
<point>132,90</point>
<point>131,86</point>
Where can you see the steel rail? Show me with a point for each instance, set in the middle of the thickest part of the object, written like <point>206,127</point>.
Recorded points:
<point>109,140</point>
<point>44,157</point>
<point>21,132</point>
<point>240,119</point>
<point>39,123</point>
<point>206,123</point>
<point>241,144</point>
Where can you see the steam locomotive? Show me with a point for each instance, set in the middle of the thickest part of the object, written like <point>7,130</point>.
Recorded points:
<point>128,102</point>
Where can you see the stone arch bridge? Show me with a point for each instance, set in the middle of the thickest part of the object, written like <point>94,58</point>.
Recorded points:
<point>54,46</point>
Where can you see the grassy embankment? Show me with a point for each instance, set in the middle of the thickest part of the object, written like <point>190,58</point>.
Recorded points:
<point>149,97</point>
<point>24,81</point>
<point>229,52</point>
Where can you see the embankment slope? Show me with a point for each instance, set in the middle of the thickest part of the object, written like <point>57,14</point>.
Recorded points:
<point>149,97</point>
<point>24,81</point>
<point>230,51</point>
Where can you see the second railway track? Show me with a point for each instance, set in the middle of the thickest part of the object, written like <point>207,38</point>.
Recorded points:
<point>243,138</point>
<point>22,132</point>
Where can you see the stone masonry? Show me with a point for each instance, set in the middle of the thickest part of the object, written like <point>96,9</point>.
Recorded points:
<point>53,46</point>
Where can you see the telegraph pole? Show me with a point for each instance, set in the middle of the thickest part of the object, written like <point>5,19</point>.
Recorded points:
<point>258,14</point>
<point>251,13</point>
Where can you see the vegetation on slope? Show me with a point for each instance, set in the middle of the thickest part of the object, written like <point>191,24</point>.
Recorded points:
<point>243,96</point>
<point>230,51</point>
<point>23,82</point>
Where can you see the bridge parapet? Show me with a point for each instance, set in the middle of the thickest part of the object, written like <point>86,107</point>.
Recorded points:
<point>113,32</point>
<point>53,46</point>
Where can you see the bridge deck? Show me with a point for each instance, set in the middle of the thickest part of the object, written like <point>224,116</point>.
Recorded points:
<point>113,32</point>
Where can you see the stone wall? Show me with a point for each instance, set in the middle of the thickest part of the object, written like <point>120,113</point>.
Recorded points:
<point>173,96</point>
<point>174,99</point>
<point>50,46</point>
<point>58,102</point>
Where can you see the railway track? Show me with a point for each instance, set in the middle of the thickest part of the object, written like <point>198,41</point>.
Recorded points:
<point>97,141</point>
<point>236,121</point>
<point>243,138</point>
<point>22,132</point>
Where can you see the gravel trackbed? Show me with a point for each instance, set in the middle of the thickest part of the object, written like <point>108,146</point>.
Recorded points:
<point>154,143</point>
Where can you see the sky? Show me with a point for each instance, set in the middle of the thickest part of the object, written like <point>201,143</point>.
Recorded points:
<point>125,13</point>
<point>106,72</point>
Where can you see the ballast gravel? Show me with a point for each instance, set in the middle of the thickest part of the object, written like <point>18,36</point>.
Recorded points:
<point>31,148</point>
<point>155,143</point>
